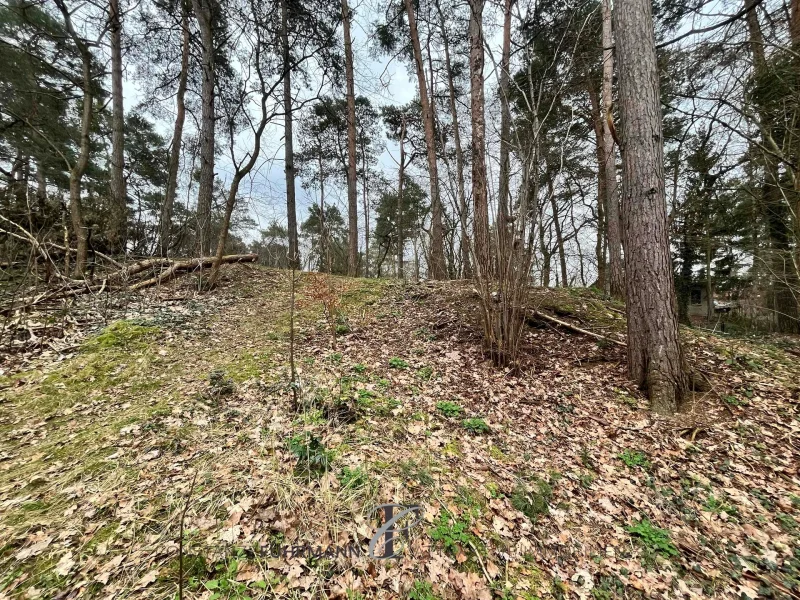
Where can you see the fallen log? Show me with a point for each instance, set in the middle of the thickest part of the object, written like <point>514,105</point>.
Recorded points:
<point>186,266</point>
<point>575,328</point>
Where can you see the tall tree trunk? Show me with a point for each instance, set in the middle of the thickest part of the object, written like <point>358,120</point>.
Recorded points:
<point>116,233</point>
<point>655,356</point>
<point>438,265</point>
<point>505,134</point>
<point>366,210</point>
<point>479,194</point>
<point>400,242</point>
<point>325,254</point>
<point>288,146</point>
<point>202,11</point>
<point>784,274</point>
<point>177,139</point>
<point>466,271</point>
<point>562,258</point>
<point>616,279</point>
<point>597,122</point>
<point>352,201</point>
<point>79,167</point>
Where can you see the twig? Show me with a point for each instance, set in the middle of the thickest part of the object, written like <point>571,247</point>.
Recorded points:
<point>544,317</point>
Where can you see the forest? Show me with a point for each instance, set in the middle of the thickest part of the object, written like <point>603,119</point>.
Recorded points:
<point>508,290</point>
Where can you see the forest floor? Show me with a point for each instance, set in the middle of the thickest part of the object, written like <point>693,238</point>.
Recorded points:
<point>553,482</point>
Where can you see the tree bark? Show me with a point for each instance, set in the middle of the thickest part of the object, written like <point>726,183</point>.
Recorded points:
<point>479,194</point>
<point>505,134</point>
<point>562,258</point>
<point>352,201</point>
<point>466,271</point>
<point>177,138</point>
<point>288,147</point>
<point>78,169</point>
<point>202,11</point>
<point>438,265</point>
<point>655,356</point>
<point>116,233</point>
<point>365,202</point>
<point>597,122</point>
<point>400,241</point>
<point>616,279</point>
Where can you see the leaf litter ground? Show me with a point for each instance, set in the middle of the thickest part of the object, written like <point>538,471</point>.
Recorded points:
<point>552,482</point>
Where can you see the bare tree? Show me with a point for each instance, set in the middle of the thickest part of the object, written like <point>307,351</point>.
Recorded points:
<point>78,168</point>
<point>479,191</point>
<point>438,266</point>
<point>168,205</point>
<point>655,356</point>
<point>288,135</point>
<point>616,280</point>
<point>118,217</point>
<point>352,201</point>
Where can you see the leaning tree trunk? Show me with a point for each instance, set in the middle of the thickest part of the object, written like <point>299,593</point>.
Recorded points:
<point>177,138</point>
<point>655,356</point>
<point>118,215</point>
<point>202,11</point>
<point>479,194</point>
<point>288,148</point>
<point>438,265</point>
<point>352,200</point>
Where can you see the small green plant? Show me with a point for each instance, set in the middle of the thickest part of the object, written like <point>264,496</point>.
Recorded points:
<point>587,479</point>
<point>421,590</point>
<point>717,506</point>
<point>787,522</point>
<point>359,368</point>
<point>353,478</point>
<point>533,502</point>
<point>224,584</point>
<point>653,539</point>
<point>475,425</point>
<point>397,363</point>
<point>734,401</point>
<point>335,357</point>
<point>454,534</point>
<point>310,452</point>
<point>425,373</point>
<point>449,409</point>
<point>635,458</point>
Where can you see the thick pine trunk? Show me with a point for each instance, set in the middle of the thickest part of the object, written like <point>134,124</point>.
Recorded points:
<point>479,195</point>
<point>438,265</point>
<point>352,200</point>
<point>655,356</point>
<point>116,233</point>
<point>288,148</point>
<point>202,11</point>
<point>616,277</point>
<point>177,138</point>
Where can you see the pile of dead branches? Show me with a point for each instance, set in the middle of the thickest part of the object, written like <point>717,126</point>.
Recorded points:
<point>135,276</point>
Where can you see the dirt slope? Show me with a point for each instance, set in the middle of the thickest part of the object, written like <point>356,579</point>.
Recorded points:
<point>553,482</point>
